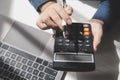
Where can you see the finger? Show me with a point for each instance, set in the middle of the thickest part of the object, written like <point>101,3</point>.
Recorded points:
<point>41,22</point>
<point>41,25</point>
<point>69,10</point>
<point>50,23</point>
<point>62,13</point>
<point>57,19</point>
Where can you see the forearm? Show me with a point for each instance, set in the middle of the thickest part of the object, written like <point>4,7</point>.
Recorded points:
<point>43,7</point>
<point>103,13</point>
<point>37,4</point>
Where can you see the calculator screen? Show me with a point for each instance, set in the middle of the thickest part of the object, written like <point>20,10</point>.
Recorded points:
<point>74,57</point>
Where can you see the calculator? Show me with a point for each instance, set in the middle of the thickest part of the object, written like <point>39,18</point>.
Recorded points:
<point>75,51</point>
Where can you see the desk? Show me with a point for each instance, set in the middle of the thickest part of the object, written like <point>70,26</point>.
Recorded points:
<point>106,57</point>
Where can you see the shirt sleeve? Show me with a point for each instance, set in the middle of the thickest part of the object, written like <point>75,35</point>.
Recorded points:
<point>37,3</point>
<point>103,13</point>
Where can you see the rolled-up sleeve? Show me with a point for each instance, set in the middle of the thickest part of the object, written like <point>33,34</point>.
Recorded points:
<point>103,13</point>
<point>37,3</point>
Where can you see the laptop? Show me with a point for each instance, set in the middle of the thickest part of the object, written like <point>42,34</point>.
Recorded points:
<point>26,53</point>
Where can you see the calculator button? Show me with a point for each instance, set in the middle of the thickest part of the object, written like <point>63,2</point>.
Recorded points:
<point>86,37</point>
<point>87,41</point>
<point>60,40</point>
<point>60,44</point>
<point>67,40</point>
<point>67,44</point>
<point>87,45</point>
<point>86,33</point>
<point>86,29</point>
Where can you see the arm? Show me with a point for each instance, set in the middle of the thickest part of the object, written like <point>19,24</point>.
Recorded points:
<point>38,3</point>
<point>104,12</point>
<point>101,18</point>
<point>52,14</point>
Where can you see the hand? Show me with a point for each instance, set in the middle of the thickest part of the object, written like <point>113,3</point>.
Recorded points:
<point>97,31</point>
<point>52,14</point>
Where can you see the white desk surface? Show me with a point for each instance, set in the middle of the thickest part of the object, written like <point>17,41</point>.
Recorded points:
<point>21,10</point>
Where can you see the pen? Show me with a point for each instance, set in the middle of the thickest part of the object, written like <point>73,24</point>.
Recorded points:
<point>63,22</point>
<point>64,3</point>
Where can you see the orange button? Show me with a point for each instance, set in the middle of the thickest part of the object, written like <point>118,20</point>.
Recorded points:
<point>86,33</point>
<point>86,29</point>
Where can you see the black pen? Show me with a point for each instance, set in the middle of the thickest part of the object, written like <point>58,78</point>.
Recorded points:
<point>63,22</point>
<point>64,3</point>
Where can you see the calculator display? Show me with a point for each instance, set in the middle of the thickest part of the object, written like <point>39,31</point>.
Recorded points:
<point>74,58</point>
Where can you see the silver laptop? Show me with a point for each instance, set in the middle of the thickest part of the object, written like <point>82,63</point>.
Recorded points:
<point>26,53</point>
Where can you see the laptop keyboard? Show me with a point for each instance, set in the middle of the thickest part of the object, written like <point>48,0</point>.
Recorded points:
<point>16,64</point>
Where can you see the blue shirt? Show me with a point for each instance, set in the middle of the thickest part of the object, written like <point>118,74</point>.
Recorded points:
<point>103,12</point>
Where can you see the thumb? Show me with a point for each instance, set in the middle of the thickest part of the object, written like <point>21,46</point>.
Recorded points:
<point>96,41</point>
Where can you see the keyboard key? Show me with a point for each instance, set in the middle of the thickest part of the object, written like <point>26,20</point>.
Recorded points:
<point>5,66</point>
<point>24,61</point>
<point>13,62</point>
<point>49,77</point>
<point>34,78</point>
<point>7,61</point>
<point>29,63</point>
<point>5,73</point>
<point>1,64</point>
<point>18,65</point>
<point>2,51</point>
<point>35,65</point>
<point>17,71</point>
<point>39,60</point>
<point>17,77</point>
<point>45,63</point>
<point>6,78</point>
<point>28,76</point>
<point>7,54</point>
<point>11,69</point>
<point>1,70</point>
<point>24,67</point>
<point>2,58</point>
<point>11,75</point>
<point>41,67</point>
<point>50,65</point>
<point>13,56</point>
<point>0,44</point>
<point>23,79</point>
<point>51,71</point>
<point>35,72</point>
<point>40,79</point>
<point>22,74</point>
<point>30,69</point>
<point>19,58</point>
<point>41,74</point>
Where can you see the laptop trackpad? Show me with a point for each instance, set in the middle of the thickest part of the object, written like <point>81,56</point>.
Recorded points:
<point>27,38</point>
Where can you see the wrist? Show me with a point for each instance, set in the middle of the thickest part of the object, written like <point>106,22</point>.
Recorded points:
<point>98,21</point>
<point>44,6</point>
